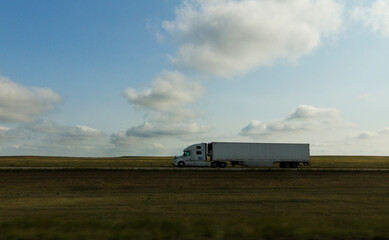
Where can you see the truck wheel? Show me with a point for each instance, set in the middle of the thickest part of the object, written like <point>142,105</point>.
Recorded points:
<point>181,164</point>
<point>222,164</point>
<point>214,164</point>
<point>285,165</point>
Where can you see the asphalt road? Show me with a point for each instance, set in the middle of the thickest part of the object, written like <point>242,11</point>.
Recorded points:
<point>190,169</point>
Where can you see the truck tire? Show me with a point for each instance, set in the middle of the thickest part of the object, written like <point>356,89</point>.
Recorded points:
<point>214,164</point>
<point>181,164</point>
<point>289,164</point>
<point>284,165</point>
<point>222,164</point>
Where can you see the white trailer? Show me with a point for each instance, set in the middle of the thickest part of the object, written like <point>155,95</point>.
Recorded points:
<point>219,154</point>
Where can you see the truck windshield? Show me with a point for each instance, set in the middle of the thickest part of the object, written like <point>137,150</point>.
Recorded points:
<point>186,153</point>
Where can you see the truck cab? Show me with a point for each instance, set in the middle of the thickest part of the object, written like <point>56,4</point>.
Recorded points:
<point>193,156</point>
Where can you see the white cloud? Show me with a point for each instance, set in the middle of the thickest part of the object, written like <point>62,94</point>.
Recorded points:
<point>168,115</point>
<point>61,134</point>
<point>324,129</point>
<point>375,17</point>
<point>121,138</point>
<point>148,129</point>
<point>364,143</point>
<point>132,145</point>
<point>169,91</point>
<point>365,135</point>
<point>369,135</point>
<point>157,137</point>
<point>157,130</point>
<point>384,131</point>
<point>3,129</point>
<point>225,37</point>
<point>304,119</point>
<point>44,137</point>
<point>19,103</point>
<point>10,134</point>
<point>156,146</point>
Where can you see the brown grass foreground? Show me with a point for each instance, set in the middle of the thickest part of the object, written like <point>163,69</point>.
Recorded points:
<point>193,205</point>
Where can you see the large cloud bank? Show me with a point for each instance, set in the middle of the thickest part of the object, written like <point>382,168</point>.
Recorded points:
<point>225,37</point>
<point>19,103</point>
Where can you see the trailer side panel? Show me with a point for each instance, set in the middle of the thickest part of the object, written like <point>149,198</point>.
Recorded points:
<point>274,152</point>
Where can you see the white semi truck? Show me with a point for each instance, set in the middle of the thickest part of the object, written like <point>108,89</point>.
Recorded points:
<point>219,154</point>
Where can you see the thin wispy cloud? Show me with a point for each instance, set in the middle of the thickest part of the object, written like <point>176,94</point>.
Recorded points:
<point>62,134</point>
<point>370,135</point>
<point>374,17</point>
<point>304,119</point>
<point>149,130</point>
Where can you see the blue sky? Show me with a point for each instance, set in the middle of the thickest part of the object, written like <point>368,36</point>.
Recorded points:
<point>111,78</point>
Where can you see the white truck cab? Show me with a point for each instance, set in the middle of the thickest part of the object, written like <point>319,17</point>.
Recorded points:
<point>194,156</point>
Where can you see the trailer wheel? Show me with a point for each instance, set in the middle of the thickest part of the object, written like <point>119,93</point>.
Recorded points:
<point>181,164</point>
<point>214,164</point>
<point>285,165</point>
<point>294,165</point>
<point>222,164</point>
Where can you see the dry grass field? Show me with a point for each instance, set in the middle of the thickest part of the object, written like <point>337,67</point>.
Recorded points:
<point>350,161</point>
<point>101,204</point>
<point>193,205</point>
<point>41,161</point>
